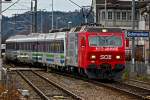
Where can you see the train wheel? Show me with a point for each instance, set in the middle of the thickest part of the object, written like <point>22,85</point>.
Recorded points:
<point>75,70</point>
<point>81,71</point>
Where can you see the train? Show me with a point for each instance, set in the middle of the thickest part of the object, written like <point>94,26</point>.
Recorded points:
<point>97,52</point>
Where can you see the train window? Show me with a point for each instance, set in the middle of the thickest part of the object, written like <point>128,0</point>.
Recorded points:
<point>93,41</point>
<point>105,41</point>
<point>49,45</point>
<point>52,47</point>
<point>61,46</point>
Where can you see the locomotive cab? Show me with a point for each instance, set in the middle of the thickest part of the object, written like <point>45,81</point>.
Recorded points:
<point>102,52</point>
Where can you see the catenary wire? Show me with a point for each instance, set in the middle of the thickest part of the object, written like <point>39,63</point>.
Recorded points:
<point>10,6</point>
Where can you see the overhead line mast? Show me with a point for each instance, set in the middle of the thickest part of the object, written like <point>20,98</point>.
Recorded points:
<point>35,17</point>
<point>84,15</point>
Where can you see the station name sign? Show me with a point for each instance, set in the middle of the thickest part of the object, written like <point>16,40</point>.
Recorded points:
<point>138,33</point>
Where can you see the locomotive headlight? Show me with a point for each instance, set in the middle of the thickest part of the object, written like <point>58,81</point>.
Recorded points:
<point>93,57</point>
<point>118,57</point>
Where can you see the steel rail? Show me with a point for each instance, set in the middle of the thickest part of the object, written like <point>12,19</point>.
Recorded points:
<point>138,81</point>
<point>115,87</point>
<point>126,88</point>
<point>34,87</point>
<point>60,87</point>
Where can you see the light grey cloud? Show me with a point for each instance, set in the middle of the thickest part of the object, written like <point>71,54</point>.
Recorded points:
<point>59,5</point>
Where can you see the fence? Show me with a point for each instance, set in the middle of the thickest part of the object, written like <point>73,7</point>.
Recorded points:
<point>139,69</point>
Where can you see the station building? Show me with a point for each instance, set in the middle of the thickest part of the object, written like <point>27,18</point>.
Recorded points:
<point>118,13</point>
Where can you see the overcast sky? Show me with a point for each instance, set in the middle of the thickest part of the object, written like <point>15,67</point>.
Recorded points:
<point>59,5</point>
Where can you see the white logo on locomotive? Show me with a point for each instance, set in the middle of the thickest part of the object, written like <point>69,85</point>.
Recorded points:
<point>105,56</point>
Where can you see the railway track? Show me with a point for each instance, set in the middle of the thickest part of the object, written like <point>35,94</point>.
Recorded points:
<point>139,92</point>
<point>47,89</point>
<point>140,82</point>
<point>130,89</point>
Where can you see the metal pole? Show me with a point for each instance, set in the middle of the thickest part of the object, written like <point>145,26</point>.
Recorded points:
<point>52,16</point>
<point>86,21</point>
<point>133,39</point>
<point>149,36</point>
<point>15,22</point>
<point>41,22</point>
<point>0,25</point>
<point>105,13</point>
<point>57,23</point>
<point>35,17</point>
<point>32,18</point>
<point>94,8</point>
<point>0,39</point>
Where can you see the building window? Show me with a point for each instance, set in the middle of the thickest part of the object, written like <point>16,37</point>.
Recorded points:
<point>103,15</point>
<point>118,16</point>
<point>129,15</point>
<point>109,15</point>
<point>136,16</point>
<point>124,15</point>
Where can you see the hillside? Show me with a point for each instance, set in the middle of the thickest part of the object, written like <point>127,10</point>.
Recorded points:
<point>22,23</point>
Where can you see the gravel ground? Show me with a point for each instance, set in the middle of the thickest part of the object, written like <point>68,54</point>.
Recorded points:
<point>22,85</point>
<point>87,90</point>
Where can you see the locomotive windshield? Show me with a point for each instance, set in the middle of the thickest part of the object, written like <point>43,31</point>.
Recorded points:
<point>105,41</point>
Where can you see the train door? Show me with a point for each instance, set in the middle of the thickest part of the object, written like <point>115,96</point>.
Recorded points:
<point>72,49</point>
<point>82,49</point>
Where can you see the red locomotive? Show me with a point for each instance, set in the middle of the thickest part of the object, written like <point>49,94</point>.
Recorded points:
<point>97,52</point>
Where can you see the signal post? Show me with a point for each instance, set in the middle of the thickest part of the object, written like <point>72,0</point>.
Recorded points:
<point>1,1</point>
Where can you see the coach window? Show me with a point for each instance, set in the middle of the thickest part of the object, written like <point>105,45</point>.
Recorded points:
<point>56,47</point>
<point>62,46</point>
<point>26,46</point>
<point>52,47</point>
<point>49,45</point>
<point>23,46</point>
<point>42,46</point>
<point>30,46</point>
<point>39,49</point>
<point>59,46</point>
